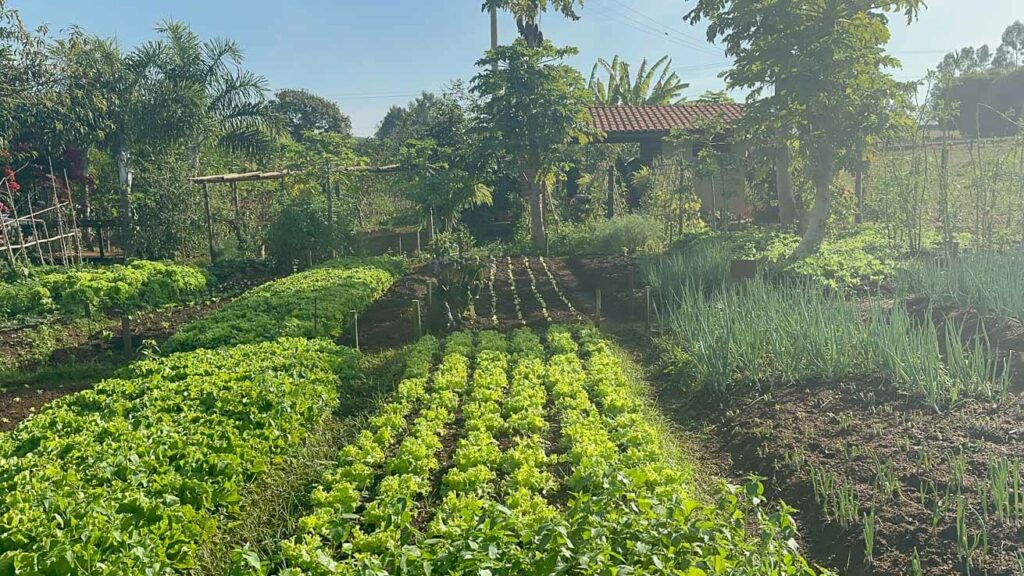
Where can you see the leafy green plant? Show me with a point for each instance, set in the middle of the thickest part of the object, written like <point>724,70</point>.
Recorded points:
<point>315,303</point>
<point>143,466</point>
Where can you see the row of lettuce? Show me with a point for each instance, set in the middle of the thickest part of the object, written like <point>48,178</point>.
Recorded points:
<point>512,457</point>
<point>132,476</point>
<point>90,291</point>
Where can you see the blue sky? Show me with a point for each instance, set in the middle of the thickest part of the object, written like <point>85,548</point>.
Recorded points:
<point>371,54</point>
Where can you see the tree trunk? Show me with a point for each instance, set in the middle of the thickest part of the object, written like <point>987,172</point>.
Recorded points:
<point>532,191</point>
<point>784,179</point>
<point>823,174</point>
<point>125,184</point>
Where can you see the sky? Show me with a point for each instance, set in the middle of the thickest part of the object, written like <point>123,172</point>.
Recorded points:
<point>369,55</point>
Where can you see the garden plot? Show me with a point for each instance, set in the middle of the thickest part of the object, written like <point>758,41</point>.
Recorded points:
<point>503,455</point>
<point>530,290</point>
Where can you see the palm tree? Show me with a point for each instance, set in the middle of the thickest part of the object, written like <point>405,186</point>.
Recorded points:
<point>622,89</point>
<point>218,102</point>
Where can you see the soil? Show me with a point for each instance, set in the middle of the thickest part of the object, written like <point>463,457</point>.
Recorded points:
<point>102,346</point>
<point>17,405</point>
<point>391,320</point>
<point>861,434</point>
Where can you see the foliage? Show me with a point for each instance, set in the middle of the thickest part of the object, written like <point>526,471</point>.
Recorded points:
<point>531,108</point>
<point>86,291</point>
<point>142,467</point>
<point>621,89</point>
<point>632,233</point>
<point>988,283</point>
<point>311,304</point>
<point>825,61</point>
<point>626,508</point>
<point>304,112</point>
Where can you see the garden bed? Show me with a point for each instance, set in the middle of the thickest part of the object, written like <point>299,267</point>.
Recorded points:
<point>907,465</point>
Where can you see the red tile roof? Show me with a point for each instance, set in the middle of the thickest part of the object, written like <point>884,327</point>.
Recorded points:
<point>633,119</point>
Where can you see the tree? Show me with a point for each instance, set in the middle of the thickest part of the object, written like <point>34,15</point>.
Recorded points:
<point>829,56</point>
<point>304,112</point>
<point>531,107</point>
<point>214,99</point>
<point>1013,40</point>
<point>527,13</point>
<point>622,89</point>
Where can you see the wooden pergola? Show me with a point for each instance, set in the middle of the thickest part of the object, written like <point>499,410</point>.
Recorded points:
<point>233,179</point>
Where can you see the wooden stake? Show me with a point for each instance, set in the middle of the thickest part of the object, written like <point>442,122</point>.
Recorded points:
<point>316,319</point>
<point>209,221</point>
<point>647,312</point>
<point>418,248</point>
<point>400,243</point>
<point>126,335</point>
<point>355,326</point>
<point>632,292</point>
<point>419,319</point>
<point>597,297</point>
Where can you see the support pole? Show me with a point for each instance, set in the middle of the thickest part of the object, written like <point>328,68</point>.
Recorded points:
<point>355,327</point>
<point>419,319</point>
<point>238,214</point>
<point>418,245</point>
<point>126,335</point>
<point>597,298</point>
<point>209,220</point>
<point>647,310</point>
<point>316,318</point>
<point>74,220</point>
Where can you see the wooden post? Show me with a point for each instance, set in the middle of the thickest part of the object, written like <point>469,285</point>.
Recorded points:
<point>316,318</point>
<point>400,251</point>
<point>74,219</point>
<point>355,326</point>
<point>419,319</point>
<point>418,245</point>
<point>238,214</point>
<point>126,335</point>
<point>647,311</point>
<point>632,291</point>
<point>597,298</point>
<point>209,220</point>
<point>7,241</point>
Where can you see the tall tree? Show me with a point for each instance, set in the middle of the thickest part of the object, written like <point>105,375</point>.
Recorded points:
<point>304,112</point>
<point>531,107</point>
<point>527,13</point>
<point>653,86</point>
<point>826,52</point>
<point>1013,40</point>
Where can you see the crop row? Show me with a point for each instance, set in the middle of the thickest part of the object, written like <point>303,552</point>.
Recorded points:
<point>88,291</point>
<point>311,304</point>
<point>132,476</point>
<point>601,496</point>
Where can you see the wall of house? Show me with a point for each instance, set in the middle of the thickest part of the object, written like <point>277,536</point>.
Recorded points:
<point>727,191</point>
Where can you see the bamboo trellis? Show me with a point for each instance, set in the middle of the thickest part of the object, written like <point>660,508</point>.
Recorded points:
<point>63,234</point>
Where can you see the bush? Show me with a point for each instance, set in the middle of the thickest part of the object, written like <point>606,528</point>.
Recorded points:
<point>632,233</point>
<point>130,477</point>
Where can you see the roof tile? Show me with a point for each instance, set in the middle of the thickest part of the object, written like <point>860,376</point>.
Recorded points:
<point>632,119</point>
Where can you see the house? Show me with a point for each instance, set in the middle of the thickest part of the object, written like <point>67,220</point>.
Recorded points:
<point>652,126</point>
